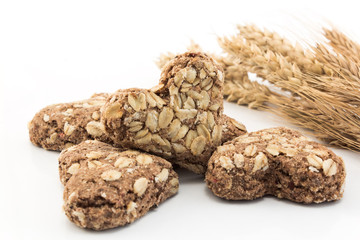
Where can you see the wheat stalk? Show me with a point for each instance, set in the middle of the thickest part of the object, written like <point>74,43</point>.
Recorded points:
<point>343,44</point>
<point>267,40</point>
<point>276,68</point>
<point>265,63</point>
<point>341,63</point>
<point>324,103</point>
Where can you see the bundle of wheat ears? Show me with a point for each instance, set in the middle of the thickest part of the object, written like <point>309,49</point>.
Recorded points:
<point>317,88</point>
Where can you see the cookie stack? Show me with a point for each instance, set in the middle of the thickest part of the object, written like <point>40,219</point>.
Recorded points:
<point>118,149</point>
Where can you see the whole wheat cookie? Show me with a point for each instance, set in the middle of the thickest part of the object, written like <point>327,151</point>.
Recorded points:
<point>59,126</point>
<point>279,162</point>
<point>181,119</point>
<point>110,187</point>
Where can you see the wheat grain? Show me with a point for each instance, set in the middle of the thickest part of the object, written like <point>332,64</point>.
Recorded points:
<point>265,63</point>
<point>267,40</point>
<point>343,44</point>
<point>340,63</point>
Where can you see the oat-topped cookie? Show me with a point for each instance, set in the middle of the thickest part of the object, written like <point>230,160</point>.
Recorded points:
<point>181,119</point>
<point>59,126</point>
<point>106,187</point>
<point>279,162</point>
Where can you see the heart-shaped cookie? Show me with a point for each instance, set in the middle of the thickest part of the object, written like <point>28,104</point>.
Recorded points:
<point>279,162</point>
<point>106,187</point>
<point>181,119</point>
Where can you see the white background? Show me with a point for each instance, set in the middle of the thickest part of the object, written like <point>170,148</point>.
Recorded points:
<point>59,51</point>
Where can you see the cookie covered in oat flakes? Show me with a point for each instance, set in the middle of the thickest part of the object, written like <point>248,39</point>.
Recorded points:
<point>59,126</point>
<point>112,188</point>
<point>181,119</point>
<point>279,162</point>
